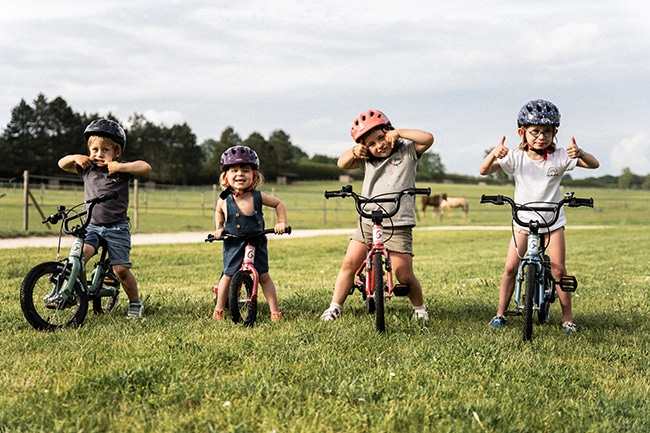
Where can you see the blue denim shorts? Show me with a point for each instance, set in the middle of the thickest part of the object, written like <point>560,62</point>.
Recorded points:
<point>118,239</point>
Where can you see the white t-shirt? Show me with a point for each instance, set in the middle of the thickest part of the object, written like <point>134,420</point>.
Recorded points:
<point>538,181</point>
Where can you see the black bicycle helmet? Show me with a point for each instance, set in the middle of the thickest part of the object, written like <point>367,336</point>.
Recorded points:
<point>107,128</point>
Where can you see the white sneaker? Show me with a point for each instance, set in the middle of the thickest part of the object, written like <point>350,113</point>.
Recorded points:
<point>422,314</point>
<point>331,314</point>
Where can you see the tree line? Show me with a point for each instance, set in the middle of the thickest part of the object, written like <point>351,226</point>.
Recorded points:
<point>39,134</point>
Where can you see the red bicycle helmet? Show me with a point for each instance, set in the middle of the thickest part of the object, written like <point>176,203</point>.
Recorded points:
<point>366,121</point>
<point>107,128</point>
<point>239,155</point>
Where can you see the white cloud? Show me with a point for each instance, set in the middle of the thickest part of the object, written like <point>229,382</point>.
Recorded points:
<point>633,153</point>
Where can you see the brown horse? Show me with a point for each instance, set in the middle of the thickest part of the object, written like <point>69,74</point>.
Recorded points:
<point>452,202</point>
<point>433,200</point>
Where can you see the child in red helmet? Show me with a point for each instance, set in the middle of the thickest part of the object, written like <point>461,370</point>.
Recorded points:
<point>388,157</point>
<point>239,211</point>
<point>103,173</point>
<point>537,166</point>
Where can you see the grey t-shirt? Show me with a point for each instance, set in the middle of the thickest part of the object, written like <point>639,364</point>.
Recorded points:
<point>97,182</point>
<point>392,174</point>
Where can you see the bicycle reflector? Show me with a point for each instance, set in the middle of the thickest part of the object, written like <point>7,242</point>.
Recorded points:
<point>568,283</point>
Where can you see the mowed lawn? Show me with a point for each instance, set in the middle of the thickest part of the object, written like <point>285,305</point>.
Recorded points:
<point>178,370</point>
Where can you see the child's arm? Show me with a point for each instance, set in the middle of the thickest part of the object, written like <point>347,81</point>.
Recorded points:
<point>219,218</point>
<point>280,211</point>
<point>422,140</point>
<point>348,160</point>
<point>585,159</point>
<point>136,168</point>
<point>69,163</point>
<point>490,164</point>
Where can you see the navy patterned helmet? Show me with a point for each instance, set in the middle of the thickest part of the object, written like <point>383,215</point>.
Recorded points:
<point>239,155</point>
<point>539,112</point>
<point>107,128</point>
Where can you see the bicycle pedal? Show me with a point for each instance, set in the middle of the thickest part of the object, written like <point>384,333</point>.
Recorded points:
<point>568,283</point>
<point>401,289</point>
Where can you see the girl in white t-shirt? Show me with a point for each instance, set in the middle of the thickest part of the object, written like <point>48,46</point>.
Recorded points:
<point>537,166</point>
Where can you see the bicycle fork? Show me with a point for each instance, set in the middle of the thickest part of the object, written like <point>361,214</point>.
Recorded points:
<point>248,264</point>
<point>72,268</point>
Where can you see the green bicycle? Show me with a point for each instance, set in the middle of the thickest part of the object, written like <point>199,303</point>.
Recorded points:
<point>56,294</point>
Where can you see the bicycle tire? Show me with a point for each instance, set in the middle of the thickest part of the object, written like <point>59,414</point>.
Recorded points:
<point>378,285</point>
<point>106,304</point>
<point>529,299</point>
<point>242,309</point>
<point>37,285</point>
<point>544,314</point>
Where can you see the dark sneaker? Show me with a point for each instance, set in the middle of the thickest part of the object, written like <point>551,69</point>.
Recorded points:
<point>498,321</point>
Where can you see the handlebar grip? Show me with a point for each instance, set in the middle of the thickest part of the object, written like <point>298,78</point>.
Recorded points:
<point>424,191</point>
<point>330,194</point>
<point>495,199</point>
<point>104,197</point>
<point>577,202</point>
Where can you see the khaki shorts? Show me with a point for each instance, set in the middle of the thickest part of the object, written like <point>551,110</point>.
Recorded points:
<point>396,239</point>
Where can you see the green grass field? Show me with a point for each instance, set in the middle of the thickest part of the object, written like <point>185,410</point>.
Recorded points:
<point>177,370</point>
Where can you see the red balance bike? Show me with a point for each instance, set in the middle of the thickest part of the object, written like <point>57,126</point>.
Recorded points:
<point>374,278</point>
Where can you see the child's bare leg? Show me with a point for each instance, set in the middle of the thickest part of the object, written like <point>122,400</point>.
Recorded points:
<point>403,268</point>
<point>222,295</point>
<point>268,288</point>
<point>128,281</point>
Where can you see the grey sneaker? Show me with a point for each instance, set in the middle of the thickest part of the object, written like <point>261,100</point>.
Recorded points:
<point>330,314</point>
<point>135,311</point>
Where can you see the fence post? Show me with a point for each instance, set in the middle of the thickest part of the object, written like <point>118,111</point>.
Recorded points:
<point>135,204</point>
<point>26,200</point>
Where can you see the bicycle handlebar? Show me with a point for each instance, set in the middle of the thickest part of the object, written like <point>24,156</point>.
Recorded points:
<point>568,200</point>
<point>212,238</point>
<point>392,197</point>
<point>63,214</point>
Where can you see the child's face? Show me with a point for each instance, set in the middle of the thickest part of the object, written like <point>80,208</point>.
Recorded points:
<point>377,144</point>
<point>538,136</point>
<point>240,177</point>
<point>101,152</point>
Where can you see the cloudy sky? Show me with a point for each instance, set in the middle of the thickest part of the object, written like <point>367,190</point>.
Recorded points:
<point>460,69</point>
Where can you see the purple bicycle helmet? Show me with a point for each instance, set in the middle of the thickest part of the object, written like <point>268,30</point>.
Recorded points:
<point>239,155</point>
<point>107,128</point>
<point>539,112</point>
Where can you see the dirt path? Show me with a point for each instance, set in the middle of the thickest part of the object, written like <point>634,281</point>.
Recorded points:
<point>192,237</point>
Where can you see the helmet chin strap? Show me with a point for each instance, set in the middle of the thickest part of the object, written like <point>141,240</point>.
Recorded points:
<point>541,152</point>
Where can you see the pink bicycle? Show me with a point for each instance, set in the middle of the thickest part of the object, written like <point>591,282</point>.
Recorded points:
<point>242,294</point>
<point>374,278</point>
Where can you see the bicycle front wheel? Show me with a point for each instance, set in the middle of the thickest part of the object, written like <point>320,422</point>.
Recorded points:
<point>529,299</point>
<point>378,286</point>
<point>39,283</point>
<point>242,309</point>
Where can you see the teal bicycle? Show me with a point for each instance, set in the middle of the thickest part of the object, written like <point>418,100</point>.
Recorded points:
<point>56,294</point>
<point>535,287</point>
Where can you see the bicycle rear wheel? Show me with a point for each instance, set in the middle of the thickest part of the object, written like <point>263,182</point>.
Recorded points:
<point>39,283</point>
<point>242,309</point>
<point>378,285</point>
<point>529,299</point>
<point>106,299</point>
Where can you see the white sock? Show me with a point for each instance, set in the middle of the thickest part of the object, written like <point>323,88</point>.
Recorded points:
<point>336,305</point>
<point>422,307</point>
